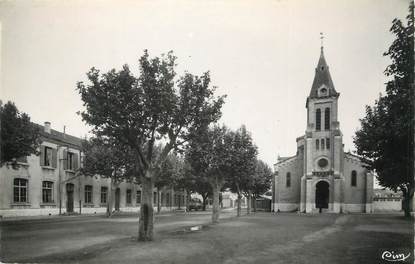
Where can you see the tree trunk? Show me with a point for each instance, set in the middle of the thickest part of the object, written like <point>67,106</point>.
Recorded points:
<point>407,202</point>
<point>146,220</point>
<point>238,209</point>
<point>158,201</point>
<point>254,197</point>
<point>215,209</point>
<point>188,197</point>
<point>248,208</point>
<point>185,200</point>
<point>204,198</point>
<point>109,200</point>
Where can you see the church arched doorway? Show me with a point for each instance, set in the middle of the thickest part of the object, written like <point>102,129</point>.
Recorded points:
<point>322,194</point>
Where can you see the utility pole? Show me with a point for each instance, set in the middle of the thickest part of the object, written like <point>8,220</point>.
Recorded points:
<point>79,183</point>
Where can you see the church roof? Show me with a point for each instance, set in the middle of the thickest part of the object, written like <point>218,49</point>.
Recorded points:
<point>322,77</point>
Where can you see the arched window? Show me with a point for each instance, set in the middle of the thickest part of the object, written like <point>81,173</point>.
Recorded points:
<point>318,119</point>
<point>327,143</point>
<point>322,143</point>
<point>20,187</point>
<point>288,180</point>
<point>354,178</point>
<point>327,119</point>
<point>128,196</point>
<point>317,144</point>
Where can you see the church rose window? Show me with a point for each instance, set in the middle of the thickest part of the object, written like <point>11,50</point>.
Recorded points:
<point>318,119</point>
<point>322,163</point>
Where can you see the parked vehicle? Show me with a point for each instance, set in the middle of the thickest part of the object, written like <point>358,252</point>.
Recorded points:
<point>195,204</point>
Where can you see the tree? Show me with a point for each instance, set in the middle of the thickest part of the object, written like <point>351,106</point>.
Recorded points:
<point>385,140</point>
<point>142,112</point>
<point>261,181</point>
<point>195,181</point>
<point>242,163</point>
<point>104,157</point>
<point>208,154</point>
<point>19,136</point>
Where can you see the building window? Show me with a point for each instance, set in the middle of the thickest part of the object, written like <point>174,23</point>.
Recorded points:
<point>318,119</point>
<point>317,144</point>
<point>162,199</point>
<point>354,178</point>
<point>327,143</point>
<point>20,190</point>
<point>88,194</point>
<point>327,119</point>
<point>128,196</point>
<point>47,158</point>
<point>154,197</point>
<point>47,192</point>
<point>138,198</point>
<point>69,161</point>
<point>322,143</point>
<point>104,194</point>
<point>288,180</point>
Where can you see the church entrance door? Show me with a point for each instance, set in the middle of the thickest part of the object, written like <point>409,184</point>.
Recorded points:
<point>322,194</point>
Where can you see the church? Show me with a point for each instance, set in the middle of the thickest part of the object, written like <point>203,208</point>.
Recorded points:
<point>321,177</point>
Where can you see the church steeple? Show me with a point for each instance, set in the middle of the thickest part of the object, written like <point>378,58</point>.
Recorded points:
<point>322,78</point>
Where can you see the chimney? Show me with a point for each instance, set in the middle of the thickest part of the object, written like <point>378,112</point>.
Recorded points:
<point>47,127</point>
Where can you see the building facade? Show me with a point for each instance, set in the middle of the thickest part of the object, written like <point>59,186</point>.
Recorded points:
<point>321,174</point>
<point>49,184</point>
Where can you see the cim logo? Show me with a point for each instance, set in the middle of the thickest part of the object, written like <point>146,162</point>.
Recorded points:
<point>393,256</point>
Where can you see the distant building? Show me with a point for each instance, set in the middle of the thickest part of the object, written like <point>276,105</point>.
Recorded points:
<point>49,183</point>
<point>321,174</point>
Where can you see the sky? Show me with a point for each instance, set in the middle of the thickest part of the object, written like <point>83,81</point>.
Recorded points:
<point>261,54</point>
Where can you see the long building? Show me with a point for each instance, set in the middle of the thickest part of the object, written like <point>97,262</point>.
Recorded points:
<point>49,184</point>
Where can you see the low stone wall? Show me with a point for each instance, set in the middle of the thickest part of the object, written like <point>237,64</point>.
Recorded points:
<point>5,213</point>
<point>394,205</point>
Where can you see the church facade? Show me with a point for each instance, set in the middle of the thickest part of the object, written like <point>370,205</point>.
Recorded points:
<point>321,176</point>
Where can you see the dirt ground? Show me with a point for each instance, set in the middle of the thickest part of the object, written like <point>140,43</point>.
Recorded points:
<point>257,238</point>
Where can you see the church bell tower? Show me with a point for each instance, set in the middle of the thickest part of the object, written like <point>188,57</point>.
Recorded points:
<point>323,142</point>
